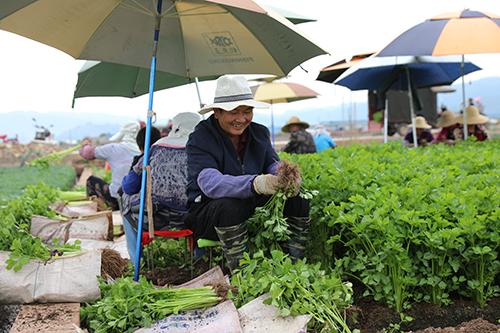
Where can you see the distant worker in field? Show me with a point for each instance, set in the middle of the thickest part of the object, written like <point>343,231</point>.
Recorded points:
<point>119,154</point>
<point>475,124</point>
<point>301,142</point>
<point>448,122</point>
<point>424,136</point>
<point>323,139</point>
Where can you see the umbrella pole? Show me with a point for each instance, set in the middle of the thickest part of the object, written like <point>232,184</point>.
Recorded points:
<point>138,245</point>
<point>196,82</point>
<point>462,65</point>
<point>272,124</point>
<point>386,119</point>
<point>412,113</point>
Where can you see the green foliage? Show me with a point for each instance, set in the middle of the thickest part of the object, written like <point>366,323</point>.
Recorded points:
<point>410,224</point>
<point>267,226</point>
<point>126,305</point>
<point>14,180</point>
<point>164,252</point>
<point>295,288</point>
<point>15,222</point>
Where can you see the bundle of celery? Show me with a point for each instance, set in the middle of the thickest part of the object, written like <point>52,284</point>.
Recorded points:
<point>126,305</point>
<point>45,161</point>
<point>70,196</point>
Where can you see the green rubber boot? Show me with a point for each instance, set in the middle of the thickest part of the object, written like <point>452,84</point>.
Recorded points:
<point>299,227</point>
<point>234,241</point>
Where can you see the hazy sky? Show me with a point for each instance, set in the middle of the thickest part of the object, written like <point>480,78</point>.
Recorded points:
<point>39,78</point>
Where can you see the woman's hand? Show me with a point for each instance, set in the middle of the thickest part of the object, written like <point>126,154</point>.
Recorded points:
<point>265,184</point>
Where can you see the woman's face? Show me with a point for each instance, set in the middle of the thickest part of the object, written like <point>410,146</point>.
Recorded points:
<point>234,122</point>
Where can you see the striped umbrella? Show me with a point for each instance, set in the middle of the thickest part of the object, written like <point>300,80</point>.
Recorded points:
<point>332,72</point>
<point>464,32</point>
<point>281,92</point>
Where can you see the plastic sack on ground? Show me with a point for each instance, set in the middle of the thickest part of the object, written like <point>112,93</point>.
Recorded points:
<point>213,277</point>
<point>222,318</point>
<point>67,279</point>
<point>257,317</point>
<point>119,245</point>
<point>75,209</point>
<point>98,226</point>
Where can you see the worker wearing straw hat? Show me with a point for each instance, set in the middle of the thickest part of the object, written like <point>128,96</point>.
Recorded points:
<point>475,124</point>
<point>232,169</point>
<point>448,122</point>
<point>424,136</point>
<point>301,142</point>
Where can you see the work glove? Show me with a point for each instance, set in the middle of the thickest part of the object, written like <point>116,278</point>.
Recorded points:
<point>265,184</point>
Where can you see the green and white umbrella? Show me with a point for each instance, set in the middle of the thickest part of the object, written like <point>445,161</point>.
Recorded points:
<point>97,78</point>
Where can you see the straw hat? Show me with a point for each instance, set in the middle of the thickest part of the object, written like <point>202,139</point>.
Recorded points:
<point>420,122</point>
<point>473,116</point>
<point>447,119</point>
<point>294,121</point>
<point>183,124</point>
<point>232,92</point>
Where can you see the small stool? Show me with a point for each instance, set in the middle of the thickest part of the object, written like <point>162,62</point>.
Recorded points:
<point>210,244</point>
<point>173,234</point>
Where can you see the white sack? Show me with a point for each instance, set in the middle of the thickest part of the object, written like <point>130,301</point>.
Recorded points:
<point>70,279</point>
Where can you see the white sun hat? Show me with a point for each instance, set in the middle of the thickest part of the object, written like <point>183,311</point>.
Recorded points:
<point>183,124</point>
<point>127,133</point>
<point>231,92</point>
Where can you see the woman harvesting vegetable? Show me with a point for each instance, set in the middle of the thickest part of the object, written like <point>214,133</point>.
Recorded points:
<point>231,171</point>
<point>119,155</point>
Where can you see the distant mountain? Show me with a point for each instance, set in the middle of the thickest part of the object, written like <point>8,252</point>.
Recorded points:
<point>88,130</point>
<point>74,126</point>
<point>63,125</point>
<point>316,115</point>
<point>487,89</point>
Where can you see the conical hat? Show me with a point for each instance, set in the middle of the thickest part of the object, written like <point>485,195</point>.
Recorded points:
<point>294,121</point>
<point>447,119</point>
<point>473,116</point>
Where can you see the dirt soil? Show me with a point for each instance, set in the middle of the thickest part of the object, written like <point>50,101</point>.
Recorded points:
<point>372,317</point>
<point>55,318</point>
<point>163,276</point>
<point>473,326</point>
<point>8,315</point>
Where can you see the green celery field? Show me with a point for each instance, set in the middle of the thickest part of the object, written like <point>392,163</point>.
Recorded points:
<point>408,224</point>
<point>14,179</point>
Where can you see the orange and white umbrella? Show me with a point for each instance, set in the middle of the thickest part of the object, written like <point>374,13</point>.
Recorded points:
<point>196,38</point>
<point>464,32</point>
<point>281,92</point>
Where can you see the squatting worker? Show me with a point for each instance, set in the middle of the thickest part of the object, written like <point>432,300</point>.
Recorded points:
<point>231,171</point>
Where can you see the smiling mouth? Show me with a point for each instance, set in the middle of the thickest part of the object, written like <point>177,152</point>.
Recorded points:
<point>238,126</point>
